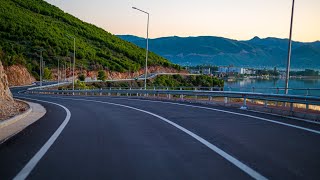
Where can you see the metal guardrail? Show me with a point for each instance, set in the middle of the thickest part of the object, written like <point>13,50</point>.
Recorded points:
<point>307,100</point>
<point>48,86</point>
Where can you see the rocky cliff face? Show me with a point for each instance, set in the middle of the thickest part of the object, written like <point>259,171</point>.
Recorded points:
<point>18,75</point>
<point>8,106</point>
<point>5,94</point>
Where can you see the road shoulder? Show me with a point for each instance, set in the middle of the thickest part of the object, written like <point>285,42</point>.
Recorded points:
<point>13,126</point>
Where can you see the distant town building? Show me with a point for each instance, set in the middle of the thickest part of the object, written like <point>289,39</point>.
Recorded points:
<point>194,71</point>
<point>223,70</point>
<point>206,71</point>
<point>235,70</point>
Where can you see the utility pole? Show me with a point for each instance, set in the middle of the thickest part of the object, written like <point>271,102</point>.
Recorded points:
<point>289,51</point>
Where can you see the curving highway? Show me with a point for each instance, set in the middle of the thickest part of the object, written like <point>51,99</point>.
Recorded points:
<point>127,138</point>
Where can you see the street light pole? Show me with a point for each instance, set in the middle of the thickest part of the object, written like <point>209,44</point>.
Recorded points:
<point>58,71</point>
<point>289,51</point>
<point>147,50</point>
<point>40,67</point>
<point>74,59</point>
<point>65,71</point>
<point>43,66</point>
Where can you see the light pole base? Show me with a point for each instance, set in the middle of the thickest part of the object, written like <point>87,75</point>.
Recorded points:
<point>244,107</point>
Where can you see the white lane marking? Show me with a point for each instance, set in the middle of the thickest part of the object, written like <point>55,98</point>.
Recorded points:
<point>23,174</point>
<point>229,112</point>
<point>214,148</point>
<point>224,111</point>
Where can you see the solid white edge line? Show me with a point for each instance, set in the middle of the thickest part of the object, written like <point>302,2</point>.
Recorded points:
<point>228,112</point>
<point>23,174</point>
<point>214,148</point>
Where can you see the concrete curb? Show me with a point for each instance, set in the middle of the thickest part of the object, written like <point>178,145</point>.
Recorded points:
<point>13,126</point>
<point>17,117</point>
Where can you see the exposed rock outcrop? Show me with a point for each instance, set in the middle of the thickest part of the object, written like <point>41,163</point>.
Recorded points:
<point>18,76</point>
<point>5,94</point>
<point>8,106</point>
<point>151,69</point>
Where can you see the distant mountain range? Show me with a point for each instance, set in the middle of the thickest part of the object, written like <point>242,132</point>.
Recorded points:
<point>257,52</point>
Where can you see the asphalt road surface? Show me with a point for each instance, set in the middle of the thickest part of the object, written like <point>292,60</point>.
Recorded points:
<point>127,138</point>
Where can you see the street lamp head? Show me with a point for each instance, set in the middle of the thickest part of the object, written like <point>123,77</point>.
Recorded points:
<point>140,10</point>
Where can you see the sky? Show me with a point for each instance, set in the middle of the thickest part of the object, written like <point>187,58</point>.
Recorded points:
<point>235,19</point>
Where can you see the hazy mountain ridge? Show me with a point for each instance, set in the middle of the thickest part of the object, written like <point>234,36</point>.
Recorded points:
<point>255,52</point>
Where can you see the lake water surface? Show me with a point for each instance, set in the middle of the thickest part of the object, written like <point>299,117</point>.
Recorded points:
<point>271,85</point>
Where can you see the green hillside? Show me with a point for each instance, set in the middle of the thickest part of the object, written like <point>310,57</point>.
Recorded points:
<point>29,25</point>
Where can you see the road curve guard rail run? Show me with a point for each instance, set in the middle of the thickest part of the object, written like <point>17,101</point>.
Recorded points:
<point>48,86</point>
<point>291,99</point>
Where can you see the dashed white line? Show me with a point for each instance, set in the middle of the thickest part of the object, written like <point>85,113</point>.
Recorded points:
<point>23,174</point>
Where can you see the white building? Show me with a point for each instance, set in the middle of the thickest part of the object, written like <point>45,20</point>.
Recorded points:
<point>222,69</point>
<point>235,70</point>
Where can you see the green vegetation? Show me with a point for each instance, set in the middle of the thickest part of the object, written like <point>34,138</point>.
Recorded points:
<point>26,26</point>
<point>81,77</point>
<point>307,72</point>
<point>47,74</point>
<point>187,81</point>
<point>172,81</point>
<point>102,75</point>
<point>264,72</point>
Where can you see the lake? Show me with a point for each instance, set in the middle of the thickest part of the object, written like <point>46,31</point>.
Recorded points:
<point>266,85</point>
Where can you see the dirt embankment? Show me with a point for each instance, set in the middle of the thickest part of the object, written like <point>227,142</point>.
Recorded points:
<point>18,76</point>
<point>8,107</point>
<point>118,75</point>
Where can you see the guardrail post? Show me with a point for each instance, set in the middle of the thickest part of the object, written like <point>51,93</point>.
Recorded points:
<point>196,95</point>
<point>109,93</point>
<point>167,94</point>
<point>244,106</point>
<point>291,107</point>
<point>210,97</point>
<point>119,94</point>
<point>100,91</point>
<point>265,103</point>
<point>130,91</point>
<point>226,100</point>
<point>252,100</point>
<point>154,89</point>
